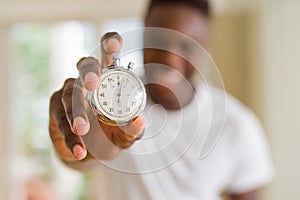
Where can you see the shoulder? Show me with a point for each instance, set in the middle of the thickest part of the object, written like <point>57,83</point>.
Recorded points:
<point>242,141</point>
<point>236,113</point>
<point>239,112</point>
<point>240,123</point>
<point>242,118</point>
<point>253,165</point>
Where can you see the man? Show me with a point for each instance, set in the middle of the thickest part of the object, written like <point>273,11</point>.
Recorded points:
<point>238,165</point>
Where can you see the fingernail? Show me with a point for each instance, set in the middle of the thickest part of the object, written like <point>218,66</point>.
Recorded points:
<point>91,81</point>
<point>80,126</point>
<point>91,77</point>
<point>139,121</point>
<point>78,152</point>
<point>112,45</point>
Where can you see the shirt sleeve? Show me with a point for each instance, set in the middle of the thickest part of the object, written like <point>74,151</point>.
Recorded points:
<point>253,167</point>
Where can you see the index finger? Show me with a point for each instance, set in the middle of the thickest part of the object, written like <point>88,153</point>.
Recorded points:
<point>110,43</point>
<point>89,70</point>
<point>89,67</point>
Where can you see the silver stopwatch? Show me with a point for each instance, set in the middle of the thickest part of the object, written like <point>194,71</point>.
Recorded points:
<point>120,97</point>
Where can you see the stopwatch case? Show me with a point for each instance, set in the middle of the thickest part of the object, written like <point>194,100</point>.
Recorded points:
<point>107,119</point>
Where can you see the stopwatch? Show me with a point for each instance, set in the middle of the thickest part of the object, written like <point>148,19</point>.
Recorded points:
<point>121,96</point>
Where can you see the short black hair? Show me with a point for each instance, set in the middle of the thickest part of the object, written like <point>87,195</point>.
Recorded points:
<point>202,6</point>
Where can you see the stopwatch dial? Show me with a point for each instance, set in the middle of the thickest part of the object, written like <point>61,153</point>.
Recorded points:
<point>121,96</point>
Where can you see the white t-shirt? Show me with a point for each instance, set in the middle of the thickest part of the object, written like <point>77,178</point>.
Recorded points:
<point>210,146</point>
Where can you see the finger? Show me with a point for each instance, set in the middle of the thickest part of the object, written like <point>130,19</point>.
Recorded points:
<point>129,133</point>
<point>89,70</point>
<point>73,100</point>
<point>119,137</point>
<point>133,130</point>
<point>68,145</point>
<point>75,144</point>
<point>110,43</point>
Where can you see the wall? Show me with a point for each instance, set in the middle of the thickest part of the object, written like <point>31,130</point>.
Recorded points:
<point>230,54</point>
<point>259,61</point>
<point>281,70</point>
<point>5,115</point>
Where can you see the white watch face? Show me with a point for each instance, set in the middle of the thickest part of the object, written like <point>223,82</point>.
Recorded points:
<point>121,95</point>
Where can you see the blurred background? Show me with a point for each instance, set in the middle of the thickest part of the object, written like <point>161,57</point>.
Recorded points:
<point>255,44</point>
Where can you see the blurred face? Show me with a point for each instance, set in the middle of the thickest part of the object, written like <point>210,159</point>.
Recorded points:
<point>168,65</point>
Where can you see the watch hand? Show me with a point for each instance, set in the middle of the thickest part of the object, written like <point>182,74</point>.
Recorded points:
<point>118,101</point>
<point>119,94</point>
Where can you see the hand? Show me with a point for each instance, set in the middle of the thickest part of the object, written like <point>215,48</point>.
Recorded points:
<point>71,116</point>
